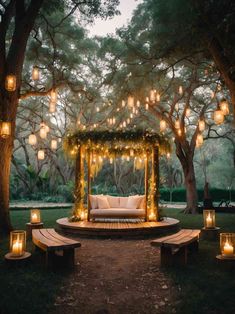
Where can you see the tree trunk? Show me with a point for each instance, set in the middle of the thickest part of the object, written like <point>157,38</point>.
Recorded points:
<point>5,162</point>
<point>191,190</point>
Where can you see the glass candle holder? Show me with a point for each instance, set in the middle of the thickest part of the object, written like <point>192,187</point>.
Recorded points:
<point>209,218</point>
<point>227,244</point>
<point>35,216</point>
<point>17,243</point>
<point>5,129</point>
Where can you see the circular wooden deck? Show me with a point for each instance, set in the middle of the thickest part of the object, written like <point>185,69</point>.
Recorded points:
<point>125,228</point>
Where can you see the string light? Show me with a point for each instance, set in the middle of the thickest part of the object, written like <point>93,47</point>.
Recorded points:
<point>35,73</point>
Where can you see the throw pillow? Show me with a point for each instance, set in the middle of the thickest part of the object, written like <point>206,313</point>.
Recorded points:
<point>103,202</point>
<point>113,201</point>
<point>133,202</point>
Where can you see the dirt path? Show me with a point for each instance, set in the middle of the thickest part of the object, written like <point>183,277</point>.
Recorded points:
<point>117,276</point>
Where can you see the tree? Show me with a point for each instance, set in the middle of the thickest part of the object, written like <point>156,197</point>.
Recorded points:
<point>18,18</point>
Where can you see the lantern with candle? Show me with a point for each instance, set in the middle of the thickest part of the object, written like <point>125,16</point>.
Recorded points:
<point>130,101</point>
<point>152,216</point>
<point>41,154</point>
<point>32,139</point>
<point>227,245</point>
<point>209,218</point>
<point>35,217</point>
<point>5,129</point>
<point>10,83</point>
<point>201,125</point>
<point>54,144</point>
<point>162,125</point>
<point>35,73</point>
<point>17,243</point>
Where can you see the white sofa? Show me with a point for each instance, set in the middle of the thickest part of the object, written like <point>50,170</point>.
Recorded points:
<point>106,206</point>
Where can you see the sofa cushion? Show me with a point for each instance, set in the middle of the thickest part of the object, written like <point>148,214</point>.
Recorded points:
<point>123,201</point>
<point>133,201</point>
<point>102,202</point>
<point>94,201</point>
<point>142,202</point>
<point>117,213</point>
<point>113,201</point>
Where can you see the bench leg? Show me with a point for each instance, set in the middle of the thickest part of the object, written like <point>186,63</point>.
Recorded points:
<point>169,258</point>
<point>193,247</point>
<point>69,257</point>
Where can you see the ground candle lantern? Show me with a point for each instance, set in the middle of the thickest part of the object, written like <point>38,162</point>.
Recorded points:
<point>35,217</point>
<point>17,243</point>
<point>209,218</point>
<point>227,244</point>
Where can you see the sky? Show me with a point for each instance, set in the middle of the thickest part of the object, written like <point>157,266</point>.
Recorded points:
<point>104,27</point>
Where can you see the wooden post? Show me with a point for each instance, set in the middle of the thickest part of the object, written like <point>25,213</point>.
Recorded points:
<point>155,180</point>
<point>146,187</point>
<point>79,178</point>
<point>88,184</point>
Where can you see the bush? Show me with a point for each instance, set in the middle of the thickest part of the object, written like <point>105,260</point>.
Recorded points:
<point>179,194</point>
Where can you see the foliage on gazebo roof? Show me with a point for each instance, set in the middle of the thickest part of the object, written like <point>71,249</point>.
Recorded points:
<point>140,138</point>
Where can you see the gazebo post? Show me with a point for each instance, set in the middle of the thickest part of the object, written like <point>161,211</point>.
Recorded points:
<point>78,182</point>
<point>155,180</point>
<point>88,184</point>
<point>146,187</point>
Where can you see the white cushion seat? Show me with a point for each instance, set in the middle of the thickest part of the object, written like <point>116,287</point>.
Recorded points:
<point>117,212</point>
<point>106,206</point>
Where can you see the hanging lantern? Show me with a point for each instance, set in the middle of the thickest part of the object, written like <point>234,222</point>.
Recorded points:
<point>146,106</point>
<point>35,216</point>
<point>52,107</point>
<point>43,132</point>
<point>54,144</point>
<point>179,132</point>
<point>224,106</point>
<point>17,243</point>
<point>158,97</point>
<point>168,155</point>
<point>152,95</point>
<point>138,103</point>
<point>181,90</point>
<point>177,107</point>
<point>177,124</point>
<point>5,129</point>
<point>187,112</point>
<point>147,99</point>
<point>130,101</point>
<point>32,139</point>
<point>41,154</point>
<point>199,140</point>
<point>54,95</point>
<point>123,103</point>
<point>10,83</point>
<point>97,109</point>
<point>201,125</point>
<point>35,73</point>
<point>218,116</point>
<point>162,125</point>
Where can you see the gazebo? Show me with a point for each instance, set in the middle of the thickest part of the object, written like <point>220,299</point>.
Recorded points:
<point>91,148</point>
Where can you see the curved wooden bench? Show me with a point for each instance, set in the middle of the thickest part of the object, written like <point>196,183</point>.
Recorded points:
<point>55,245</point>
<point>174,248</point>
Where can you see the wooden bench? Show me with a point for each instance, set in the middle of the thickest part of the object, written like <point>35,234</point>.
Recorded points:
<point>55,245</point>
<point>174,248</point>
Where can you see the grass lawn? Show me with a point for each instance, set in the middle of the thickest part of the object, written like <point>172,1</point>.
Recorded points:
<point>206,287</point>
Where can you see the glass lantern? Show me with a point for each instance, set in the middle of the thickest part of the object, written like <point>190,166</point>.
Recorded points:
<point>162,125</point>
<point>227,244</point>
<point>54,96</point>
<point>35,73</point>
<point>152,216</point>
<point>54,144</point>
<point>41,154</point>
<point>130,101</point>
<point>17,243</point>
<point>10,83</point>
<point>218,116</point>
<point>5,129</point>
<point>32,139</point>
<point>209,218</point>
<point>35,216</point>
